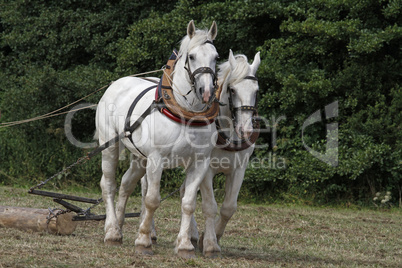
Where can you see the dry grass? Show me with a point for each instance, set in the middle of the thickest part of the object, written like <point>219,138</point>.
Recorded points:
<point>257,236</point>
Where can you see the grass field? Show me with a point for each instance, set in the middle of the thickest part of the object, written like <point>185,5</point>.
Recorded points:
<point>257,236</point>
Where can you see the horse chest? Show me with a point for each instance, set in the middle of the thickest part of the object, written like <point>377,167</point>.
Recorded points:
<point>157,133</point>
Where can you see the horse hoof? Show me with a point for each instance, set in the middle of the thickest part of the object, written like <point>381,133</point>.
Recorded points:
<point>154,242</point>
<point>186,254</point>
<point>194,241</point>
<point>144,250</point>
<point>211,254</point>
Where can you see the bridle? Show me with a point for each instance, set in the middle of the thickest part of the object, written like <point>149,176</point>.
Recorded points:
<point>233,109</point>
<point>201,70</point>
<point>227,143</point>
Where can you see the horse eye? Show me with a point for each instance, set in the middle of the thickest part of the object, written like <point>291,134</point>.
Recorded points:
<point>191,57</point>
<point>232,90</point>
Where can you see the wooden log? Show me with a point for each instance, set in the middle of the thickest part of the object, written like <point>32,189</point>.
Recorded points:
<point>36,220</point>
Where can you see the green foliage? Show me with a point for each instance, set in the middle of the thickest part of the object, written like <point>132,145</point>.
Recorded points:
<point>313,53</point>
<point>344,51</point>
<point>150,41</point>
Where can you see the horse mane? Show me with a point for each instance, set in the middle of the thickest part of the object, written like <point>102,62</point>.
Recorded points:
<point>242,69</point>
<point>199,38</point>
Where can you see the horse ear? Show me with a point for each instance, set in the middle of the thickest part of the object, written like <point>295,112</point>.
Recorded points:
<point>232,60</point>
<point>191,29</point>
<point>213,31</point>
<point>256,63</point>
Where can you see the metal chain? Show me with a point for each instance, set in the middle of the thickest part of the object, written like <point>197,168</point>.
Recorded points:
<point>79,161</point>
<point>88,210</point>
<point>53,215</point>
<point>169,195</point>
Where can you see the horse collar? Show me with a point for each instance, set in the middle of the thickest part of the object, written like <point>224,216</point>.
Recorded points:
<point>170,108</point>
<point>226,143</point>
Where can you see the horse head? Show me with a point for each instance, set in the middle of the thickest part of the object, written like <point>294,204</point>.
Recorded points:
<point>242,90</point>
<point>199,56</point>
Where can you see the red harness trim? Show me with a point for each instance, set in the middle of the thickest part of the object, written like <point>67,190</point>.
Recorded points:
<point>178,119</point>
<point>166,112</point>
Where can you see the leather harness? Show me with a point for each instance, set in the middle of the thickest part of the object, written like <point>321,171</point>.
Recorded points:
<point>171,107</point>
<point>166,103</point>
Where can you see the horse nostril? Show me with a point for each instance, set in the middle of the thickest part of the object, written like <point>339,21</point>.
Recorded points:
<point>206,95</point>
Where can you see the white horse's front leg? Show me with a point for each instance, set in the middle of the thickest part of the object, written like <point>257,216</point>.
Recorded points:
<point>233,184</point>
<point>110,158</point>
<point>143,243</point>
<point>195,174</point>
<point>193,224</point>
<point>128,183</point>
<point>144,189</point>
<point>208,242</point>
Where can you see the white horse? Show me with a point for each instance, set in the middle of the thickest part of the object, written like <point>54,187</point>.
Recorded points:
<point>240,86</point>
<point>239,99</point>
<point>159,142</point>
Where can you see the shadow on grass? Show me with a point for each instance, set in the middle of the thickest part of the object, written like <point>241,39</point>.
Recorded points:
<point>295,258</point>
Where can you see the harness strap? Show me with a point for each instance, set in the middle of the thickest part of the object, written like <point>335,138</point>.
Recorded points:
<point>127,128</point>
<point>226,143</point>
<point>159,103</point>
<point>105,145</point>
<point>167,96</point>
<point>245,108</point>
<point>130,128</point>
<point>201,70</point>
<point>183,121</point>
<point>250,77</point>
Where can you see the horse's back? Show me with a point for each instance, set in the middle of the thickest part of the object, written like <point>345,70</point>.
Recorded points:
<point>126,89</point>
<point>116,101</point>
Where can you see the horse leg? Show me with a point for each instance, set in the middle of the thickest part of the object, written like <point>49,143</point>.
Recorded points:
<point>208,242</point>
<point>144,189</point>
<point>233,184</point>
<point>128,183</point>
<point>143,243</point>
<point>193,223</point>
<point>195,174</point>
<point>110,158</point>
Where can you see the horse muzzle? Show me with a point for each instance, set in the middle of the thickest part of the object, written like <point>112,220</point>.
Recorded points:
<point>206,95</point>
<point>244,131</point>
